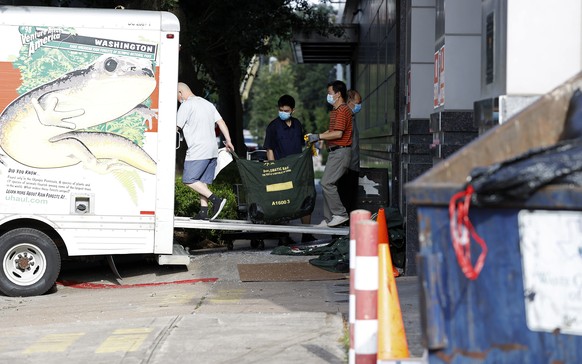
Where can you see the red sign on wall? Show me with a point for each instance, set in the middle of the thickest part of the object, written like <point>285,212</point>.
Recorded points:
<point>408,93</point>
<point>436,80</point>
<point>439,78</point>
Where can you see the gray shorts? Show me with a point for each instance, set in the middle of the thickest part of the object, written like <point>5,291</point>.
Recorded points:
<point>199,170</point>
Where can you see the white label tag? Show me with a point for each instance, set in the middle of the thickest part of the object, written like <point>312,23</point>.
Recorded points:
<point>551,250</point>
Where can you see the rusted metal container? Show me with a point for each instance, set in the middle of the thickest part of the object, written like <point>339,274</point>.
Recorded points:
<point>525,306</point>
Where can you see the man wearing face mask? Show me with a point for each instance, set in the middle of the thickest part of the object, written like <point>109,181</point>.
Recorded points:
<point>338,139</point>
<point>355,104</point>
<point>197,118</point>
<point>284,137</point>
<point>349,181</point>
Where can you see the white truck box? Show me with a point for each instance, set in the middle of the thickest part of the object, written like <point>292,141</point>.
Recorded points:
<point>87,138</point>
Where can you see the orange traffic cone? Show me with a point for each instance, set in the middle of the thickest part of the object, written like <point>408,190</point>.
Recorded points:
<point>391,334</point>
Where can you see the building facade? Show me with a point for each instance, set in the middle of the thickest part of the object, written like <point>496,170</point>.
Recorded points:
<point>434,74</point>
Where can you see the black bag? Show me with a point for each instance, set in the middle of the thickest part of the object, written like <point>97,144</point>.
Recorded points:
<point>336,257</point>
<point>280,190</point>
<point>518,178</point>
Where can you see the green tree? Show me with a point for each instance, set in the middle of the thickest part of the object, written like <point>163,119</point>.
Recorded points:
<point>105,4</point>
<point>219,37</point>
<point>311,80</point>
<point>267,89</point>
<point>308,87</point>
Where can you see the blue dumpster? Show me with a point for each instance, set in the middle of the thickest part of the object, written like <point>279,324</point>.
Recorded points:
<point>525,305</point>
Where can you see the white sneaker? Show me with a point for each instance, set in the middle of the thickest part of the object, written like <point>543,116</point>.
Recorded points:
<point>337,220</point>
<point>323,223</point>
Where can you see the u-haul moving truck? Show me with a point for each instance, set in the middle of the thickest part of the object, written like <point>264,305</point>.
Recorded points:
<point>87,136</point>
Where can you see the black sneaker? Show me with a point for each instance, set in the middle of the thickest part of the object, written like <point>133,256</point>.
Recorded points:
<point>286,240</point>
<point>306,238</point>
<point>217,207</point>
<point>201,215</point>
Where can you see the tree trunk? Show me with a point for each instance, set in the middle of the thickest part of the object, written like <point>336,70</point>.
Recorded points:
<point>230,106</point>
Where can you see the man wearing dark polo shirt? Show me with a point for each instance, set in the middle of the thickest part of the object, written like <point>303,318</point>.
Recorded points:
<point>284,137</point>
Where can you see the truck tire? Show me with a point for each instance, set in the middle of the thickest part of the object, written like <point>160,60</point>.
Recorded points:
<point>31,263</point>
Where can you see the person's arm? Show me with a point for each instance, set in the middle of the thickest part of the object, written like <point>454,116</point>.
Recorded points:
<point>331,135</point>
<point>270,141</point>
<point>182,115</point>
<point>224,130</point>
<point>270,155</point>
<point>326,136</point>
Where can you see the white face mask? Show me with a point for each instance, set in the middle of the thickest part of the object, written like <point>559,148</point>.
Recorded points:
<point>330,99</point>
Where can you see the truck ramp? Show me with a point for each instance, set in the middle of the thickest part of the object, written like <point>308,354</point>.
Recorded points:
<point>248,226</point>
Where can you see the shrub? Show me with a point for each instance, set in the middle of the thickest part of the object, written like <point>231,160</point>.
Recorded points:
<point>187,203</point>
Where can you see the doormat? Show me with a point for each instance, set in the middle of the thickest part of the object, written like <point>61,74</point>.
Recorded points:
<point>279,272</point>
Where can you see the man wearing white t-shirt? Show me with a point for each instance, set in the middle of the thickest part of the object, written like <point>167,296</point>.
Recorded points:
<point>197,118</point>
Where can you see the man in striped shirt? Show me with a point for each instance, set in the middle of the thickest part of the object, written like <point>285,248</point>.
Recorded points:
<point>338,140</point>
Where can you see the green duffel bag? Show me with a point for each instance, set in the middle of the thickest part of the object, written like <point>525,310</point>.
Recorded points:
<point>280,190</point>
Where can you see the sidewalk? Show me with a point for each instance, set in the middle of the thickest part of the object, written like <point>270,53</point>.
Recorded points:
<point>330,297</point>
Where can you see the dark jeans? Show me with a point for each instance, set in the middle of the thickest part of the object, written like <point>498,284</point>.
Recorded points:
<point>347,187</point>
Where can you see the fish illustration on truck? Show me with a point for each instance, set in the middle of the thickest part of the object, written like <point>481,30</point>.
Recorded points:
<point>46,126</point>
<point>86,167</point>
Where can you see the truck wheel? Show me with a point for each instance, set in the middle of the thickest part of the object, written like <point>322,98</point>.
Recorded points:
<point>30,263</point>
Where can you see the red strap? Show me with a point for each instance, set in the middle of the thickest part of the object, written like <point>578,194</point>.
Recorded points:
<point>462,231</point>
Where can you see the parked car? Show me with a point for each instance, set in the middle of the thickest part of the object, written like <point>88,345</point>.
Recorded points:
<point>250,141</point>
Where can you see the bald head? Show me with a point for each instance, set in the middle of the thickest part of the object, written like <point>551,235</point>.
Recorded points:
<point>354,96</point>
<point>184,92</point>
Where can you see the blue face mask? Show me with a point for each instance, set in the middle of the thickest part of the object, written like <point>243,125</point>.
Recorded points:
<point>330,99</point>
<point>284,115</point>
<point>357,108</point>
